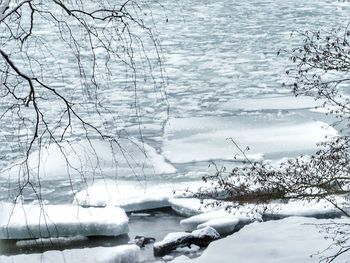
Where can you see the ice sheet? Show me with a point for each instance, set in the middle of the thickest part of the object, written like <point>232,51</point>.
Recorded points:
<point>206,138</point>
<point>85,158</point>
<point>271,103</point>
<point>41,221</point>
<point>134,195</point>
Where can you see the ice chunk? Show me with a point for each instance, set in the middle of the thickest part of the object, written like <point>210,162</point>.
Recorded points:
<point>35,221</point>
<point>120,254</point>
<point>80,159</point>
<point>290,240</point>
<point>133,195</point>
<point>203,139</point>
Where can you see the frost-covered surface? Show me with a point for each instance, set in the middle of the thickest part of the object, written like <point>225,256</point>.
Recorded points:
<point>290,240</point>
<point>34,221</point>
<point>133,195</point>
<point>130,158</point>
<point>120,254</point>
<point>204,139</point>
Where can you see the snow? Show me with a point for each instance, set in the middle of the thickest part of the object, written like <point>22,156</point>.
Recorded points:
<point>133,195</point>
<point>223,226</point>
<point>95,158</point>
<point>172,237</point>
<point>289,240</point>
<point>206,232</point>
<point>180,239</point>
<point>119,254</point>
<point>191,206</point>
<point>223,220</point>
<point>313,208</point>
<point>206,138</point>
<point>34,221</point>
<point>271,103</point>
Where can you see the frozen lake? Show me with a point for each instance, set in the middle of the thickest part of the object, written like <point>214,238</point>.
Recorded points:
<point>225,81</point>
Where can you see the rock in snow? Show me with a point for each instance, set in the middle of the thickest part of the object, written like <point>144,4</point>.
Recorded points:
<point>172,241</point>
<point>34,221</point>
<point>120,254</point>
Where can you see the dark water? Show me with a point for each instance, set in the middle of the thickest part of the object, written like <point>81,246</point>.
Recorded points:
<point>156,224</point>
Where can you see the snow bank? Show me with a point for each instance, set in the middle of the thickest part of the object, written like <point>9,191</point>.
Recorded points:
<point>202,139</point>
<point>133,195</point>
<point>318,209</point>
<point>289,240</point>
<point>34,221</point>
<point>120,254</point>
<point>128,158</point>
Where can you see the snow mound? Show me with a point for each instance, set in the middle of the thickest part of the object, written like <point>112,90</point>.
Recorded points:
<point>93,158</point>
<point>294,239</point>
<point>120,254</point>
<point>34,221</point>
<point>132,195</point>
<point>203,139</point>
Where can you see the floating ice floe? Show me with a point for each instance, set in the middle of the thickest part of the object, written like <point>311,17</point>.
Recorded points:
<point>271,103</point>
<point>191,206</point>
<point>294,239</point>
<point>34,221</point>
<point>81,159</point>
<point>133,195</point>
<point>206,138</point>
<point>120,254</point>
